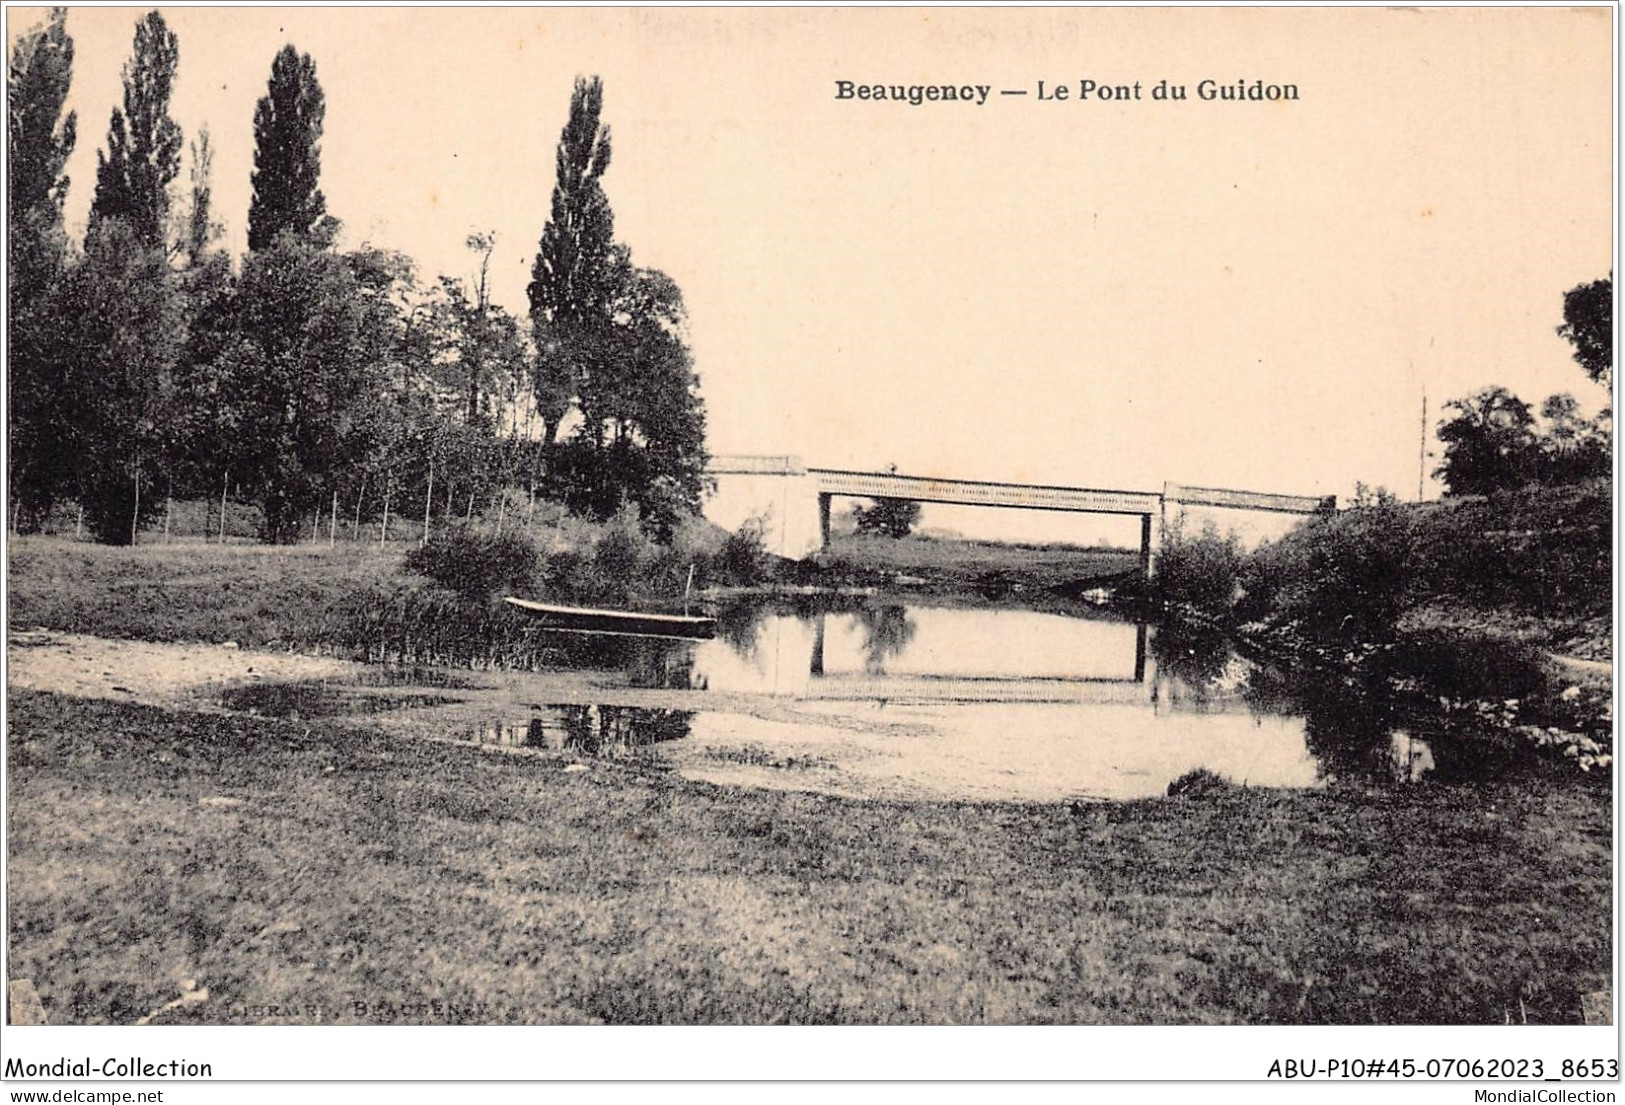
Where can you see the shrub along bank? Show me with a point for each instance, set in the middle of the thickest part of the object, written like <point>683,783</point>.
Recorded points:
<point>1352,577</point>
<point>1421,593</point>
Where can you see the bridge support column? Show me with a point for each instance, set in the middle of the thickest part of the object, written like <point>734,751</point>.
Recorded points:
<point>1147,550</point>
<point>823,520</point>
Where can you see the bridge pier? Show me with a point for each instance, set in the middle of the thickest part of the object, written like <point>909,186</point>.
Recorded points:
<point>823,520</point>
<point>1146,551</point>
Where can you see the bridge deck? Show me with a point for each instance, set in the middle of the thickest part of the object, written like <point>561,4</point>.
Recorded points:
<point>1247,500</point>
<point>885,485</point>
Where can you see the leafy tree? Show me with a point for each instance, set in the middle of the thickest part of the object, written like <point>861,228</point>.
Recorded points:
<point>126,333</point>
<point>202,433</point>
<point>143,143</point>
<point>1489,443</point>
<point>479,352</point>
<point>642,435</point>
<point>38,143</point>
<point>1588,324</point>
<point>201,231</point>
<point>1572,447</point>
<point>1341,576</point>
<point>308,376</point>
<point>887,517</point>
<point>1200,572</point>
<point>287,152</point>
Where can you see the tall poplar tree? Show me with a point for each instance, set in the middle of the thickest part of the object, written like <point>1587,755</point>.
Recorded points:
<point>38,139</point>
<point>143,143</point>
<point>201,229</point>
<point>611,338</point>
<point>287,152</point>
<point>570,288</point>
<point>38,143</point>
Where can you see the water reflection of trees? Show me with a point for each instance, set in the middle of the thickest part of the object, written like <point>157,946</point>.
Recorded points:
<point>1195,654</point>
<point>739,625</point>
<point>887,631</point>
<point>1364,725</point>
<point>653,662</point>
<point>1365,722</point>
<point>1347,725</point>
<point>612,730</point>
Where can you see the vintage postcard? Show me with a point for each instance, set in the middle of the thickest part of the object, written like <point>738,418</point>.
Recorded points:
<point>1096,517</point>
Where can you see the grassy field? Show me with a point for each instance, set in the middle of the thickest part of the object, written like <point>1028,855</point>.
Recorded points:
<point>962,564</point>
<point>313,873</point>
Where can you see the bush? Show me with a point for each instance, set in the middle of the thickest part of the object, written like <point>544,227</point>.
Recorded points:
<point>1198,782</point>
<point>743,558</point>
<point>1542,550</point>
<point>620,558</point>
<point>1343,576</point>
<point>476,565</point>
<point>1198,572</point>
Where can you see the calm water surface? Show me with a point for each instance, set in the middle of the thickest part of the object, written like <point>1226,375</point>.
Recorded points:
<point>977,704</point>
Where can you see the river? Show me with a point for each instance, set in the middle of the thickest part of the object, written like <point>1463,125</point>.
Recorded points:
<point>905,700</point>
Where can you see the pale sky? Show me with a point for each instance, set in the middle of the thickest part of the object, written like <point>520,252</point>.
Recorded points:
<point>1101,294</point>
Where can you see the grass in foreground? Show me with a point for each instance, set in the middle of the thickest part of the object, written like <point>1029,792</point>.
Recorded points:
<point>319,874</point>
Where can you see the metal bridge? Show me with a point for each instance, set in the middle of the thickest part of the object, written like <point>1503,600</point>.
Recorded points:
<point>1150,506</point>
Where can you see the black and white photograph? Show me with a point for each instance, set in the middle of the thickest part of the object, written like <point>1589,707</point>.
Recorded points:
<point>893,516</point>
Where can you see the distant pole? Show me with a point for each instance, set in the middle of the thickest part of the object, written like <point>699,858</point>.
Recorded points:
<point>135,517</point>
<point>333,523</point>
<point>428,501</point>
<point>1422,447</point>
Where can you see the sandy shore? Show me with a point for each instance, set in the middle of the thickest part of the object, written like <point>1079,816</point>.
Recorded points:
<point>148,672</point>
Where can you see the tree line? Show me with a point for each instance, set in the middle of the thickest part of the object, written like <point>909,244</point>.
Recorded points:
<point>147,364</point>
<point>1493,440</point>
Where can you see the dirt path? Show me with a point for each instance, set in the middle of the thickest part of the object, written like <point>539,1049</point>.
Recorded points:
<point>147,672</point>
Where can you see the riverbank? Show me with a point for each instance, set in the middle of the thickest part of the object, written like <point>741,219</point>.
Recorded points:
<point>313,872</point>
<point>319,869</point>
<point>1495,611</point>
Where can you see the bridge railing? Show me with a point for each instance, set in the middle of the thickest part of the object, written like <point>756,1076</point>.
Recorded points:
<point>1182,495</point>
<point>756,466</point>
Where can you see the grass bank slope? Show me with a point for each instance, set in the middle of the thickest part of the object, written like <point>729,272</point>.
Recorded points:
<point>256,595</point>
<point>315,873</point>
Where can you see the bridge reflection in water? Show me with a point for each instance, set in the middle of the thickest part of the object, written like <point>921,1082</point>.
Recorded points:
<point>896,701</point>
<point>989,704</point>
<point>925,654</point>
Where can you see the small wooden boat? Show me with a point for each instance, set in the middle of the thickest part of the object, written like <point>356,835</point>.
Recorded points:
<point>626,623</point>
